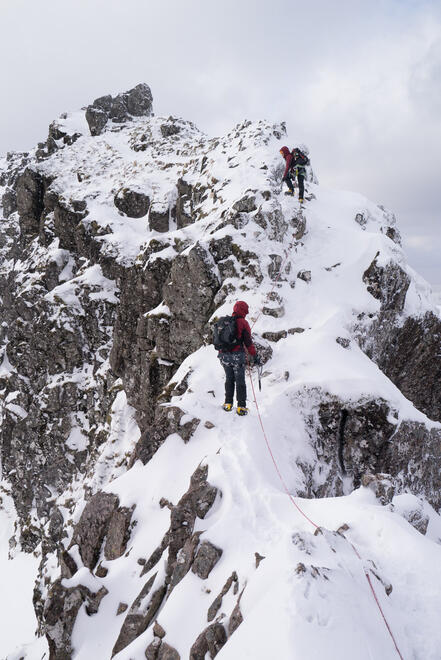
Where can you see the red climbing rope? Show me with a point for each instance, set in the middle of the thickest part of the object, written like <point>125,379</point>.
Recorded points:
<point>299,509</point>
<point>272,455</point>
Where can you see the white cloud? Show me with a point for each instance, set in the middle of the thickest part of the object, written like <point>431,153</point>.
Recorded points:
<point>358,82</point>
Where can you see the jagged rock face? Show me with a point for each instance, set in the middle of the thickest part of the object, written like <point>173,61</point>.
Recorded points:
<point>29,196</point>
<point>137,103</point>
<point>364,441</point>
<point>388,284</point>
<point>50,342</point>
<point>132,203</point>
<point>407,355</point>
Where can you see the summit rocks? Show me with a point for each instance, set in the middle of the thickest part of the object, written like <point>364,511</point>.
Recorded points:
<point>137,102</point>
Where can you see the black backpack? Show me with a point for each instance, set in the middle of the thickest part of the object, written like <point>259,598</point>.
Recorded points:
<point>299,158</point>
<point>225,334</point>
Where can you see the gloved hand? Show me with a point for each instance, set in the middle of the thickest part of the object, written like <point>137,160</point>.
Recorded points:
<point>257,360</point>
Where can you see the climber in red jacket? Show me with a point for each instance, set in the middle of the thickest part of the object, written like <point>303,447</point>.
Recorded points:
<point>233,360</point>
<point>295,164</point>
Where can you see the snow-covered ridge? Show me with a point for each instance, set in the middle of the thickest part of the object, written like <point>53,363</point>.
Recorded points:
<point>184,504</point>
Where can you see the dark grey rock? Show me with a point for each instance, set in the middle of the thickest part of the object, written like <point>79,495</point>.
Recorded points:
<point>122,607</point>
<point>217,603</point>
<point>418,519</point>
<point>354,436</point>
<point>196,502</point>
<point>409,355</point>
<point>206,559</point>
<point>361,219</point>
<point>276,312</point>
<point>97,119</point>
<point>118,533</point>
<point>184,560</point>
<point>304,275</point>
<point>383,485</point>
<point>137,102</point>
<point>220,248</point>
<point>167,652</point>
<point>158,650</point>
<point>236,619</point>
<point>158,630</point>
<point>132,203</point>
<point>166,421</point>
<point>159,220</point>
<point>30,190</point>
<point>413,458</point>
<point>9,202</point>
<point>211,640</point>
<point>60,612</point>
<point>184,204</point>
<point>93,525</point>
<point>275,336</point>
<point>140,100</point>
<point>388,284</point>
<point>274,266</point>
<point>140,616</point>
<point>245,205</point>
<point>298,223</point>
<point>169,129</point>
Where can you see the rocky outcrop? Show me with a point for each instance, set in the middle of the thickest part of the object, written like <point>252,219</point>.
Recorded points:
<point>30,189</point>
<point>195,503</point>
<point>206,559</point>
<point>210,641</point>
<point>140,615</point>
<point>405,349</point>
<point>388,284</point>
<point>413,458</point>
<point>409,356</point>
<point>93,526</point>
<point>363,441</point>
<point>132,203</point>
<point>137,102</point>
<point>60,612</point>
<point>9,202</point>
<point>181,542</point>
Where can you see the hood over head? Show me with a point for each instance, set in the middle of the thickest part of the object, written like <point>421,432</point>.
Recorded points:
<point>285,151</point>
<point>240,308</point>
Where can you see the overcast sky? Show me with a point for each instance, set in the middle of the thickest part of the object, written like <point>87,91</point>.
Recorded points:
<point>359,82</point>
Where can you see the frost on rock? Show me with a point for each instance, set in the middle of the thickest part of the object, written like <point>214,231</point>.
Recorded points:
<point>159,522</point>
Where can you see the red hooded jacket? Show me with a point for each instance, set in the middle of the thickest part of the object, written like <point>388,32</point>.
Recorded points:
<point>288,159</point>
<point>240,310</point>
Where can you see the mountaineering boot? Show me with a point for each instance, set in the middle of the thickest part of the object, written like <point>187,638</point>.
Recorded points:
<point>290,192</point>
<point>227,406</point>
<point>301,200</point>
<point>241,410</point>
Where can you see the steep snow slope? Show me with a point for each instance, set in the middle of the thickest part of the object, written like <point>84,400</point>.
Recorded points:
<point>303,272</point>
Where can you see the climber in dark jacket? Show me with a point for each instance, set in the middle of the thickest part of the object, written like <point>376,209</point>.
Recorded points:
<point>295,163</point>
<point>233,361</point>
